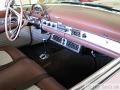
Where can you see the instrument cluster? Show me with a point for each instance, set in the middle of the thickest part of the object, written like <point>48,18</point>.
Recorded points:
<point>37,8</point>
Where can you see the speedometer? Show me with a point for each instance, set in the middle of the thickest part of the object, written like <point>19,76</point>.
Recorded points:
<point>37,8</point>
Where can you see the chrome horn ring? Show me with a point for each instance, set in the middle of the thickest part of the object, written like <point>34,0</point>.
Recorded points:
<point>12,35</point>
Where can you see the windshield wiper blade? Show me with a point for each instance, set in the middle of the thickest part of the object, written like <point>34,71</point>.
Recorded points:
<point>101,6</point>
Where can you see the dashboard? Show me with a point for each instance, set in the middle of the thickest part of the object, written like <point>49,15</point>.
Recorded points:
<point>73,26</point>
<point>72,38</point>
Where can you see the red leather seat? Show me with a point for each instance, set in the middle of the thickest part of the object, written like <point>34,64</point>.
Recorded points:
<point>23,72</point>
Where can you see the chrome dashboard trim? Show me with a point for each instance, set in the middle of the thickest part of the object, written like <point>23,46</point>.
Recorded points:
<point>66,43</point>
<point>100,41</point>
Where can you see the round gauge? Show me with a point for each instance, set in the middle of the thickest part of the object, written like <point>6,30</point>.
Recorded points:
<point>37,8</point>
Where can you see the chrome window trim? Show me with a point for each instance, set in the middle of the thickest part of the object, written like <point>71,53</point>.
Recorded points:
<point>98,77</point>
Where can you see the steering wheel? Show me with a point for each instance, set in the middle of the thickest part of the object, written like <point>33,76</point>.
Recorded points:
<point>13,34</point>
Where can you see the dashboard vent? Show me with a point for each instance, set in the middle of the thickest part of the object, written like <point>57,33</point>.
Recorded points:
<point>73,46</point>
<point>57,39</point>
<point>66,43</point>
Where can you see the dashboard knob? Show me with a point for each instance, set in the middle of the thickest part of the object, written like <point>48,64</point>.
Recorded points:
<point>53,25</point>
<point>48,24</point>
<point>44,22</point>
<point>84,35</point>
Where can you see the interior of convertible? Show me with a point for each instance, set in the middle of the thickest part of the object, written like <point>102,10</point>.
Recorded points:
<point>58,44</point>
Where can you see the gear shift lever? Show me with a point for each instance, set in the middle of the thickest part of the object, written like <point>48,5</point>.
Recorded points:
<point>44,55</point>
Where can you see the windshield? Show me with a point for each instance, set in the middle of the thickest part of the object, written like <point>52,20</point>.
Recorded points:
<point>114,4</point>
<point>59,1</point>
<point>110,3</point>
<point>17,2</point>
<point>26,2</point>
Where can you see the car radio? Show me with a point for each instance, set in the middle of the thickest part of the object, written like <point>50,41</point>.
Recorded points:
<point>61,40</point>
<point>61,28</point>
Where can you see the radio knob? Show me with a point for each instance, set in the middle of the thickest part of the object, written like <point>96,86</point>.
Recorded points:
<point>48,24</point>
<point>53,25</point>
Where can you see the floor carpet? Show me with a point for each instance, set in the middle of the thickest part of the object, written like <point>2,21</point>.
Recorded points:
<point>66,66</point>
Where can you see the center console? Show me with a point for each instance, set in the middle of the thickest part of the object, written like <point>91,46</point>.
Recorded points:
<point>62,40</point>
